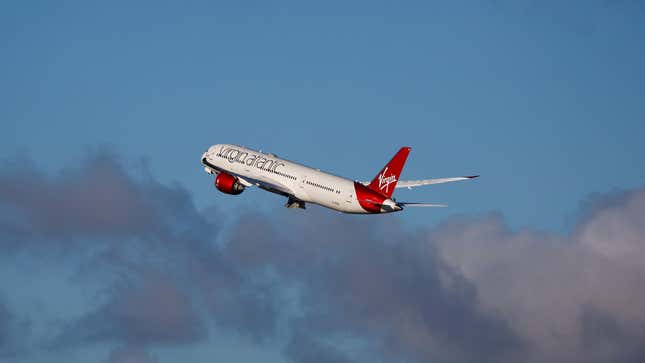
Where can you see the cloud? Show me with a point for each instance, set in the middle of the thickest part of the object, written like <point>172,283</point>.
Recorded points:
<point>151,311</point>
<point>330,287</point>
<point>120,232</point>
<point>97,198</point>
<point>606,339</point>
<point>14,332</point>
<point>5,316</point>
<point>130,354</point>
<point>372,279</point>
<point>554,288</point>
<point>307,348</point>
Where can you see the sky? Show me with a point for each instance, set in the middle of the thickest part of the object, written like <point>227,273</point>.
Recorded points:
<point>115,247</point>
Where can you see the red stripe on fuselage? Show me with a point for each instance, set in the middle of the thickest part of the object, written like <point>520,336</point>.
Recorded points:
<point>368,199</point>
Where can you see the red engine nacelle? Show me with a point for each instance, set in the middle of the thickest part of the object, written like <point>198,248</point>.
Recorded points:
<point>228,184</point>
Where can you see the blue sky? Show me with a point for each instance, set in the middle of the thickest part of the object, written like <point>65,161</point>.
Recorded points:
<point>543,99</point>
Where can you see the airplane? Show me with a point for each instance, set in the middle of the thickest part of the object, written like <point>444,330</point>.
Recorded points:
<point>236,168</point>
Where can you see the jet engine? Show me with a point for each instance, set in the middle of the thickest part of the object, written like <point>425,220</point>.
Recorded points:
<point>228,184</point>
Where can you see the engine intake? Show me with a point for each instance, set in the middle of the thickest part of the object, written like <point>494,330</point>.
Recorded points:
<point>228,184</point>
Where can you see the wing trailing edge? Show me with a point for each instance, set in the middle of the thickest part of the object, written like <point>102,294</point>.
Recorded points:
<point>417,183</point>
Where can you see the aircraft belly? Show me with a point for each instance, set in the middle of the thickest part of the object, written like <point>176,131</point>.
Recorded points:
<point>355,208</point>
<point>302,195</point>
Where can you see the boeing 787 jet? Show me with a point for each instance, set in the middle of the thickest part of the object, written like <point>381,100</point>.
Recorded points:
<point>236,168</point>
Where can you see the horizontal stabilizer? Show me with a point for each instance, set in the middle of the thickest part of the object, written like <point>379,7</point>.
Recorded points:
<point>412,204</point>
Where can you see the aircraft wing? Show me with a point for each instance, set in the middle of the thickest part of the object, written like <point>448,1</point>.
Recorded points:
<point>272,186</point>
<point>417,183</point>
<point>250,182</point>
<point>275,188</point>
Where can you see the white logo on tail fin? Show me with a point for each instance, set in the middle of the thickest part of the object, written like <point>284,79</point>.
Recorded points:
<point>384,182</point>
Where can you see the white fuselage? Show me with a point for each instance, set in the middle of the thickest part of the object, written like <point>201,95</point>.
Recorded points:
<point>282,176</point>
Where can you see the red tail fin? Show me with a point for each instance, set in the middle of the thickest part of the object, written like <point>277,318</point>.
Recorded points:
<point>386,179</point>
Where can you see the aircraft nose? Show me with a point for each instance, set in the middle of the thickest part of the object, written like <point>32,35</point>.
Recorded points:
<point>212,150</point>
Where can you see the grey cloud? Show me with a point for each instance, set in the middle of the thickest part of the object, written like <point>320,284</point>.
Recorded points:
<point>469,290</point>
<point>151,311</point>
<point>121,228</point>
<point>15,332</point>
<point>130,354</point>
<point>373,279</point>
<point>5,316</point>
<point>341,288</point>
<point>547,284</point>
<point>607,340</point>
<point>249,308</point>
<point>97,198</point>
<point>306,348</point>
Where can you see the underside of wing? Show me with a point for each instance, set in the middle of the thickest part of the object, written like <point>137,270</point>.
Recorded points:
<point>272,186</point>
<point>276,188</point>
<point>417,183</point>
